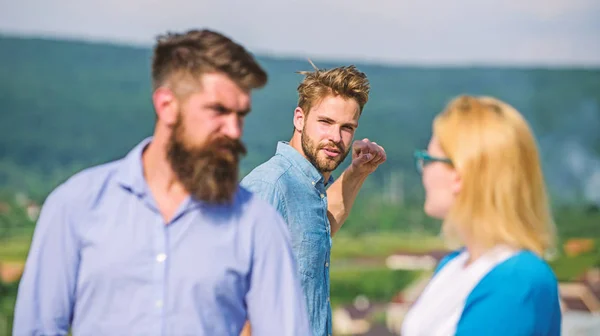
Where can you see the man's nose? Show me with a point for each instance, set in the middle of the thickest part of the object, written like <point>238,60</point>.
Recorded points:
<point>335,134</point>
<point>232,127</point>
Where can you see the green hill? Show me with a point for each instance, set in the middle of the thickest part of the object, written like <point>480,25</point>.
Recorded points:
<point>69,104</point>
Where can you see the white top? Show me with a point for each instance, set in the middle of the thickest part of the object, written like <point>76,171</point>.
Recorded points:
<point>438,309</point>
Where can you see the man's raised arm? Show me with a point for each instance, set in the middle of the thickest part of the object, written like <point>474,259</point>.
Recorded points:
<point>366,157</point>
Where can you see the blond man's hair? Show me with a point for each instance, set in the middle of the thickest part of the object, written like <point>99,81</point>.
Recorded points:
<point>503,199</point>
<point>345,81</point>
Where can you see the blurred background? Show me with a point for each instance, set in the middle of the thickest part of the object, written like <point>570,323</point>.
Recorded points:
<point>75,91</point>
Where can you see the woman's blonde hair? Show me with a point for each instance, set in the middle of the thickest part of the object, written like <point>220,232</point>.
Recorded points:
<point>503,196</point>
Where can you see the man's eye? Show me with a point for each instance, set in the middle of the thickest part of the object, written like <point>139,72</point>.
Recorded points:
<point>221,110</point>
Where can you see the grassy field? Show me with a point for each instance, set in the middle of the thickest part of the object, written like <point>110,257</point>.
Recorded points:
<point>15,248</point>
<point>570,268</point>
<point>358,265</point>
<point>379,284</point>
<point>381,245</point>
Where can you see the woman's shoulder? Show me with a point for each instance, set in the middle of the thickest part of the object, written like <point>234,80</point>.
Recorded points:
<point>523,277</point>
<point>522,289</point>
<point>523,268</point>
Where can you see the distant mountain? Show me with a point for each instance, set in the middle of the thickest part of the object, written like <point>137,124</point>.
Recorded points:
<point>69,104</point>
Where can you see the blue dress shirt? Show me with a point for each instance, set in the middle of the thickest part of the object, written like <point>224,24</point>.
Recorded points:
<point>297,189</point>
<point>104,262</point>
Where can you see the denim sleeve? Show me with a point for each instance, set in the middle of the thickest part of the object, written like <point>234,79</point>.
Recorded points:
<point>269,192</point>
<point>45,296</point>
<point>275,300</point>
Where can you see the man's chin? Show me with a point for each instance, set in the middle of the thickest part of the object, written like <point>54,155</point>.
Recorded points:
<point>327,166</point>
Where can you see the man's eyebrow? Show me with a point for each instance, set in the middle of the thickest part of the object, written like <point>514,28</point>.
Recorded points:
<point>324,118</point>
<point>222,108</point>
<point>218,107</point>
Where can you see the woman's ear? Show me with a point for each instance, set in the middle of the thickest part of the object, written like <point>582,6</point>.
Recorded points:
<point>456,182</point>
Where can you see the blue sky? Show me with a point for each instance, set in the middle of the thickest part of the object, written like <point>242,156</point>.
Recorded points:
<point>504,32</point>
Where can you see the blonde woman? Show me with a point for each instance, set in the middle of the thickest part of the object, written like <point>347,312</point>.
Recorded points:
<point>482,176</point>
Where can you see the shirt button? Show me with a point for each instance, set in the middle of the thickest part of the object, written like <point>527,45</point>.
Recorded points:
<point>313,182</point>
<point>322,195</point>
<point>326,264</point>
<point>161,257</point>
<point>328,299</point>
<point>159,304</point>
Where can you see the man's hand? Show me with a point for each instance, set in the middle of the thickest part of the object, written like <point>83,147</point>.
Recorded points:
<point>366,156</point>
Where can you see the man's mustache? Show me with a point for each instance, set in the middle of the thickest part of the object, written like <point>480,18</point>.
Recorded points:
<point>332,144</point>
<point>234,146</point>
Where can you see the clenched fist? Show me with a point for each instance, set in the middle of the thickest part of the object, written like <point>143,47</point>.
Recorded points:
<point>367,156</point>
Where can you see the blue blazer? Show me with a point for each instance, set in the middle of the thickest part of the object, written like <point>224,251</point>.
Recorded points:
<point>518,297</point>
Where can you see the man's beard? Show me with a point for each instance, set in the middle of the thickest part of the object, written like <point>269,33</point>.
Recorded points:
<point>209,172</point>
<point>326,164</point>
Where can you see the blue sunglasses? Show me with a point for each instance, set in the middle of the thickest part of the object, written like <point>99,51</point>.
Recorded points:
<point>422,158</point>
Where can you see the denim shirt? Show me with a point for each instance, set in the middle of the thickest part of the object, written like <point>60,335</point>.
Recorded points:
<point>297,190</point>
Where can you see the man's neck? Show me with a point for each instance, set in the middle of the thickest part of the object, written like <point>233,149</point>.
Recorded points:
<point>167,190</point>
<point>296,143</point>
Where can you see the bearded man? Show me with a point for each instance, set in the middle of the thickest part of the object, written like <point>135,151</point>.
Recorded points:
<point>163,242</point>
<point>297,179</point>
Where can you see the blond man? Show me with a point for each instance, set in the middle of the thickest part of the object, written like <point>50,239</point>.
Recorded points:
<point>298,179</point>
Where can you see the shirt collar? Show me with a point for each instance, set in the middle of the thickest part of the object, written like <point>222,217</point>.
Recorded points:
<point>286,150</point>
<point>130,173</point>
